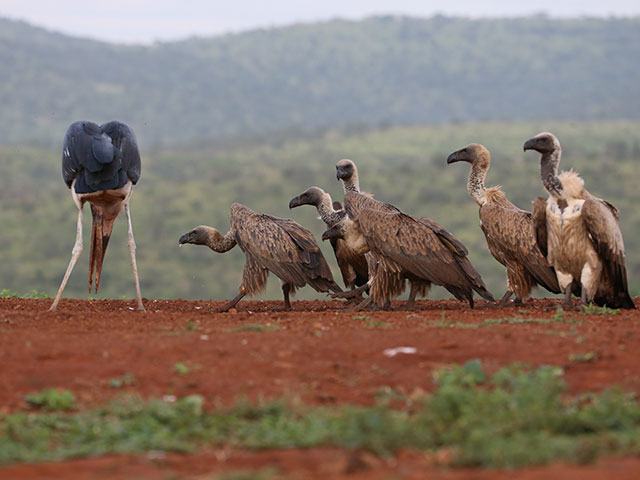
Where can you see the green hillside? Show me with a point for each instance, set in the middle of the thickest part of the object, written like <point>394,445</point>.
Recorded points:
<point>309,77</point>
<point>185,187</point>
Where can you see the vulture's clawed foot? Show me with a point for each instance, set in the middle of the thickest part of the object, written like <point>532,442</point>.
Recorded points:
<point>351,293</point>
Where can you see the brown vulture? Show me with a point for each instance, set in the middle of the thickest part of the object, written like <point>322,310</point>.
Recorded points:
<point>507,229</point>
<point>404,246</point>
<point>270,244</point>
<point>579,233</point>
<point>353,265</point>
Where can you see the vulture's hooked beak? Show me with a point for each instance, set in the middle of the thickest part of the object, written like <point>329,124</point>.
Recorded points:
<point>294,202</point>
<point>453,158</point>
<point>333,232</point>
<point>339,173</point>
<point>529,144</point>
<point>184,239</point>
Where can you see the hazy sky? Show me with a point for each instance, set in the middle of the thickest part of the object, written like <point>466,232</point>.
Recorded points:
<point>143,21</point>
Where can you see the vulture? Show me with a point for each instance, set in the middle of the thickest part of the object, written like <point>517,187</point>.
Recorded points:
<point>507,229</point>
<point>353,266</point>
<point>100,164</point>
<point>404,246</point>
<point>579,233</point>
<point>270,244</point>
<point>390,279</point>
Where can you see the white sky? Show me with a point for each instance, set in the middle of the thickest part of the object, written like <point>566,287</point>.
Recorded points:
<point>144,21</point>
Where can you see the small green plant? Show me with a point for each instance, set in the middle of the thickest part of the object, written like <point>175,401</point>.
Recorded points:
<point>181,368</point>
<point>191,326</point>
<point>254,327</point>
<point>6,293</point>
<point>124,381</point>
<point>582,357</point>
<point>267,473</point>
<point>559,315</point>
<point>52,399</point>
<point>592,309</point>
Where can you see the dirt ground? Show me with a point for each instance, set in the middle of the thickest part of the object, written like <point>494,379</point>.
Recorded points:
<point>318,353</point>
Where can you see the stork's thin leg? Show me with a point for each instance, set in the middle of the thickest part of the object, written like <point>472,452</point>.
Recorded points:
<point>75,253</point>
<point>505,298</point>
<point>132,250</point>
<point>232,303</point>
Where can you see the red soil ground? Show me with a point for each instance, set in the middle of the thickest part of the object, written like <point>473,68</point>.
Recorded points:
<point>318,353</point>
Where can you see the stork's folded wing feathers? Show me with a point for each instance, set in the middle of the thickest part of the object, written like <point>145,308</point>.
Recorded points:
<point>124,139</point>
<point>75,148</point>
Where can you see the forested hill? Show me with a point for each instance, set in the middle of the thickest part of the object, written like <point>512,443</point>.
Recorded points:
<point>382,70</point>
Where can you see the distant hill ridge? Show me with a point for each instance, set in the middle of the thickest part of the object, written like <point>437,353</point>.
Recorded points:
<point>381,70</point>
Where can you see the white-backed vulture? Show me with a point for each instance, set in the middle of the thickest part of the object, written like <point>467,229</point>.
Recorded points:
<point>507,229</point>
<point>415,248</point>
<point>270,244</point>
<point>353,266</point>
<point>580,233</point>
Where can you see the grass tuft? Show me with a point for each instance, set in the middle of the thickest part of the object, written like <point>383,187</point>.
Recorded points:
<point>514,418</point>
<point>52,399</point>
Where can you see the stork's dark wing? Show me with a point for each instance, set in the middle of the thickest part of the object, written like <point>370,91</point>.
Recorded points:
<point>124,140</point>
<point>77,149</point>
<point>283,247</point>
<point>601,221</point>
<point>539,218</point>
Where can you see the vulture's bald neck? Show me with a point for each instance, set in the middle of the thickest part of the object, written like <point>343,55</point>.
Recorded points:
<point>219,243</point>
<point>325,208</point>
<point>549,172</point>
<point>475,184</point>
<point>352,184</point>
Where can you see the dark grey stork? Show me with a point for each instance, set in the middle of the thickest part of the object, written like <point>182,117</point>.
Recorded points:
<point>100,164</point>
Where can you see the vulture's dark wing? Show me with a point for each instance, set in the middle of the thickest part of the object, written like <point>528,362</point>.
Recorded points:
<point>511,239</point>
<point>417,247</point>
<point>539,218</point>
<point>283,247</point>
<point>124,140</point>
<point>601,221</point>
<point>352,265</point>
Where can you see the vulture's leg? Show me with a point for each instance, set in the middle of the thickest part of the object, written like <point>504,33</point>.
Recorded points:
<point>75,253</point>
<point>505,298</point>
<point>518,302</point>
<point>132,251</point>
<point>361,306</point>
<point>583,296</point>
<point>351,293</point>
<point>233,302</point>
<point>286,288</point>
<point>567,296</point>
<point>412,297</point>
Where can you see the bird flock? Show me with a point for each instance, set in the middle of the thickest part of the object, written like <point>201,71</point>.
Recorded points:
<point>569,244</point>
